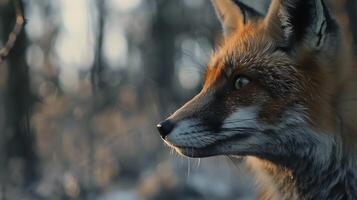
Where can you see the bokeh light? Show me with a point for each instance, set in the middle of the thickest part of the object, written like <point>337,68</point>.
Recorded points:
<point>125,5</point>
<point>115,46</point>
<point>35,57</point>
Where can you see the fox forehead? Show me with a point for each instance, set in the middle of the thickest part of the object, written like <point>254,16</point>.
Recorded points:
<point>255,55</point>
<point>250,40</point>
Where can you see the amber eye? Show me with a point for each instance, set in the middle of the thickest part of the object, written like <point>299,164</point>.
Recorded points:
<point>240,82</point>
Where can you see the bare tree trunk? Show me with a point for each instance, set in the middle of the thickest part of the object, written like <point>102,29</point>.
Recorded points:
<point>17,136</point>
<point>99,97</point>
<point>98,68</point>
<point>159,53</point>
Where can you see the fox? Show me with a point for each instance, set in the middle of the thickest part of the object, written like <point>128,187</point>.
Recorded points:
<point>275,94</point>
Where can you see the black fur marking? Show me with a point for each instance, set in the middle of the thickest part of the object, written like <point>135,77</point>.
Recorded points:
<point>302,18</point>
<point>296,18</point>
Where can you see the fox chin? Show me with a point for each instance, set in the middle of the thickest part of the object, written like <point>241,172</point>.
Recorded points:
<point>272,94</point>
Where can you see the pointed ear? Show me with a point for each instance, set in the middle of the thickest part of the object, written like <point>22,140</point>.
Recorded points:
<point>229,14</point>
<point>301,22</point>
<point>233,14</point>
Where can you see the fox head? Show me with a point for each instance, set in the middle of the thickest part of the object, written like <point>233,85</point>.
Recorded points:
<point>269,89</point>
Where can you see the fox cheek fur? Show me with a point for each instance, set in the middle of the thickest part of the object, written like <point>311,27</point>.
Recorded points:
<point>272,93</point>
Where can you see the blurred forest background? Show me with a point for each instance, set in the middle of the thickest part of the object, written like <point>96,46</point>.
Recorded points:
<point>83,87</point>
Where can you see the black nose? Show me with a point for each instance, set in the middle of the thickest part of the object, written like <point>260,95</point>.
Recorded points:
<point>165,127</point>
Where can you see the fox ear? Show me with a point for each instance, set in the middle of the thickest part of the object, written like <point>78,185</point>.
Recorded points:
<point>229,14</point>
<point>233,14</point>
<point>296,22</point>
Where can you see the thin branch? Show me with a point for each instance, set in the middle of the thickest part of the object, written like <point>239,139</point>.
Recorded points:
<point>19,25</point>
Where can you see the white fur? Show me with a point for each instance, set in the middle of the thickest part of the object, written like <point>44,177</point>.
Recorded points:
<point>191,133</point>
<point>245,117</point>
<point>187,135</point>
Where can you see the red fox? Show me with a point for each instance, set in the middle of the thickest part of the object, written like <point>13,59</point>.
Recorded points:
<point>275,94</point>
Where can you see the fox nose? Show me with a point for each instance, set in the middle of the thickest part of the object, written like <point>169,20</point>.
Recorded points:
<point>165,128</point>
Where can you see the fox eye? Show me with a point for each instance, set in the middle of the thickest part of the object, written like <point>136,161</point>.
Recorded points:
<point>240,82</point>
